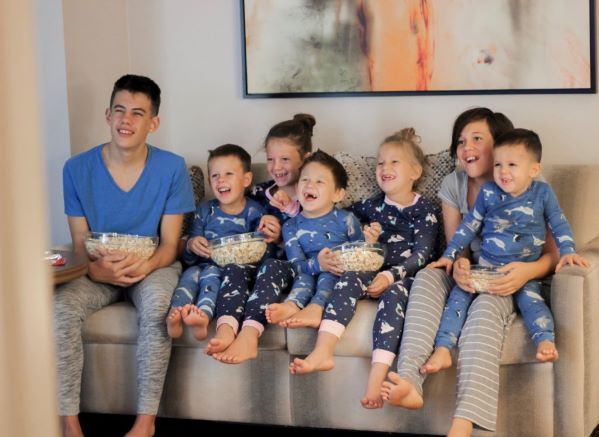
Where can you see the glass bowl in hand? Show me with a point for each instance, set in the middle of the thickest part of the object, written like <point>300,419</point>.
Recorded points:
<point>360,256</point>
<point>98,242</point>
<point>481,277</point>
<point>248,248</point>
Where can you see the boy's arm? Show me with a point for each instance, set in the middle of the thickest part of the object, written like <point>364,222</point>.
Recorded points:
<point>354,229</point>
<point>295,253</point>
<point>197,229</point>
<point>468,229</point>
<point>559,226</point>
<point>166,252</point>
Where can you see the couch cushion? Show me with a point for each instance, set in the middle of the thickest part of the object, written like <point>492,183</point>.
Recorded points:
<point>117,323</point>
<point>357,339</point>
<point>362,180</point>
<point>199,192</point>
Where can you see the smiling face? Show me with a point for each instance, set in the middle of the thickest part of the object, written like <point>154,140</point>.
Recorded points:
<point>396,170</point>
<point>475,150</point>
<point>283,161</point>
<point>514,168</point>
<point>228,181</point>
<point>130,119</point>
<point>316,190</point>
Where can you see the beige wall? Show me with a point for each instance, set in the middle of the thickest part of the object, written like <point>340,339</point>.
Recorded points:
<point>27,372</point>
<point>192,48</point>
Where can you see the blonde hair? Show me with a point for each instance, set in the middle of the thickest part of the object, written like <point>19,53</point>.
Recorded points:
<point>408,140</point>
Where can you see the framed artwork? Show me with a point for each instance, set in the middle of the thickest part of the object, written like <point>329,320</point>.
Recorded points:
<point>295,48</point>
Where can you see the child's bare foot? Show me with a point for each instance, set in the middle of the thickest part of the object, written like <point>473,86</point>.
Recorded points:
<point>198,321</point>
<point>372,398</point>
<point>245,347</point>
<point>439,360</point>
<point>309,317</point>
<point>222,339</point>
<point>174,325</point>
<point>546,351</point>
<point>277,312</point>
<point>460,428</point>
<point>316,361</point>
<point>400,392</point>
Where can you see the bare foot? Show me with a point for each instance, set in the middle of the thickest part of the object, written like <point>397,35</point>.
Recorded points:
<point>143,426</point>
<point>198,321</point>
<point>439,360</point>
<point>245,347</point>
<point>400,392</point>
<point>70,426</point>
<point>222,339</point>
<point>277,312</point>
<point>372,398</point>
<point>460,428</point>
<point>309,317</point>
<point>546,351</point>
<point>174,325</point>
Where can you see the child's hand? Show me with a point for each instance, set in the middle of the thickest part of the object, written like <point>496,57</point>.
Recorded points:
<point>572,259</point>
<point>329,262</point>
<point>280,200</point>
<point>461,274</point>
<point>444,263</point>
<point>378,285</point>
<point>271,228</point>
<point>199,246</point>
<point>372,232</point>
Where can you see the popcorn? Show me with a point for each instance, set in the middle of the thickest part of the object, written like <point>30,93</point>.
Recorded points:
<point>360,257</point>
<point>143,247</point>
<point>248,248</point>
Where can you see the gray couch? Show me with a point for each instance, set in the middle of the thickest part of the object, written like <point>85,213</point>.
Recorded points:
<point>551,399</point>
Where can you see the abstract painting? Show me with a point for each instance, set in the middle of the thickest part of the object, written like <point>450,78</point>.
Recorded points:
<point>355,47</point>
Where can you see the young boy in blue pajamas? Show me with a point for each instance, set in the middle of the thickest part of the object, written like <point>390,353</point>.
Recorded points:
<point>406,224</point>
<point>511,214</point>
<point>230,213</point>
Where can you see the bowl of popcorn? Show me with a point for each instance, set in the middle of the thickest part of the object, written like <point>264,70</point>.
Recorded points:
<point>248,248</point>
<point>482,276</point>
<point>360,256</point>
<point>98,242</point>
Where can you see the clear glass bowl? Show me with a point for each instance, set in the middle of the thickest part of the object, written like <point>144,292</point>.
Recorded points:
<point>248,248</point>
<point>360,256</point>
<point>139,245</point>
<point>480,277</point>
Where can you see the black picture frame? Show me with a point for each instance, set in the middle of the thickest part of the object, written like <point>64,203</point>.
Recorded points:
<point>286,90</point>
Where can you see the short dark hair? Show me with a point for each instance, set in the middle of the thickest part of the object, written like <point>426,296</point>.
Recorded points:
<point>138,84</point>
<point>232,150</point>
<point>497,122</point>
<point>298,130</point>
<point>527,138</point>
<point>323,158</point>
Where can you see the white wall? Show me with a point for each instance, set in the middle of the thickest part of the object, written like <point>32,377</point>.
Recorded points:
<point>54,111</point>
<point>192,48</point>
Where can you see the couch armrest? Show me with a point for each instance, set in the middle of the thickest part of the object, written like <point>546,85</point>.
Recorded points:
<point>575,305</point>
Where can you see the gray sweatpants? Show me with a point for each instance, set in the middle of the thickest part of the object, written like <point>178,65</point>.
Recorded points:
<point>76,300</point>
<point>480,344</point>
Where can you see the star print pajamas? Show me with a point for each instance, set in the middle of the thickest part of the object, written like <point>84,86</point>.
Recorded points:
<point>200,283</point>
<point>408,235</point>
<point>512,229</point>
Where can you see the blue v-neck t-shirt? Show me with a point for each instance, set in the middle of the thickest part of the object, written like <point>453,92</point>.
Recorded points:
<point>162,188</point>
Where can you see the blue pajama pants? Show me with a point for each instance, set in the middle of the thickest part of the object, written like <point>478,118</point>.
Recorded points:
<point>199,284</point>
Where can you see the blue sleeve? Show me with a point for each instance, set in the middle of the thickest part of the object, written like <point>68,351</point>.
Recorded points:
<point>72,203</point>
<point>360,210</point>
<point>468,229</point>
<point>295,253</point>
<point>560,228</point>
<point>197,229</point>
<point>354,229</point>
<point>426,227</point>
<point>255,214</point>
<point>180,197</point>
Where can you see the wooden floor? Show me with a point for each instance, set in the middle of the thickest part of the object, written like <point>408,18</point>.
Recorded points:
<point>109,425</point>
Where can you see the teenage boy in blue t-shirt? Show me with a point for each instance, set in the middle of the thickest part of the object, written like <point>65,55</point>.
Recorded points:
<point>125,186</point>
